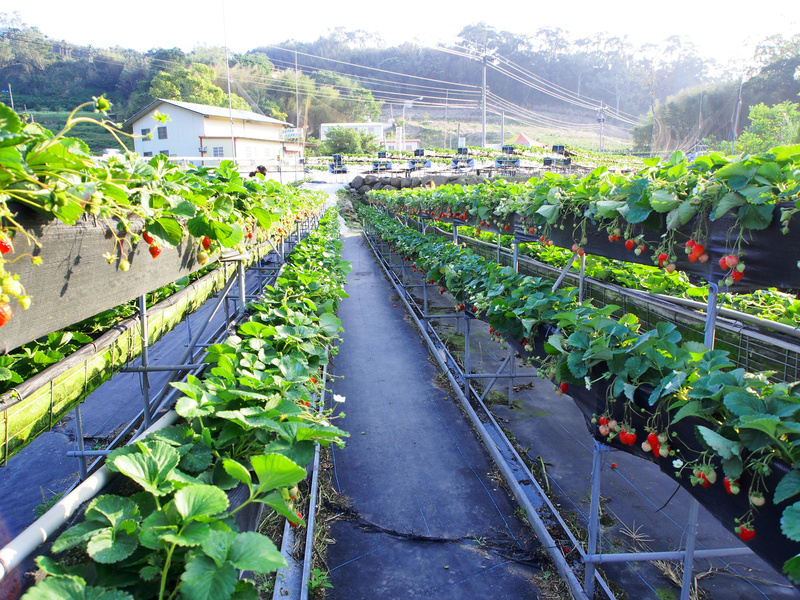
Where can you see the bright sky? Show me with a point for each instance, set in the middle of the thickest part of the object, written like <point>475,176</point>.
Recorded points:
<point>717,29</point>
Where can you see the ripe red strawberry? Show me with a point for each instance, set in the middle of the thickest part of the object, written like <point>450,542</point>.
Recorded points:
<point>5,313</point>
<point>5,245</point>
<point>703,258</point>
<point>630,244</point>
<point>531,230</point>
<point>155,251</point>
<point>147,237</point>
<point>563,387</point>
<point>603,420</point>
<point>732,487</point>
<point>731,260</point>
<point>737,275</point>
<point>723,263</point>
<point>655,445</point>
<point>506,228</point>
<point>690,243</point>
<point>296,523</point>
<point>662,258</point>
<point>702,478</point>
<point>698,249</point>
<point>746,532</point>
<point>206,242</point>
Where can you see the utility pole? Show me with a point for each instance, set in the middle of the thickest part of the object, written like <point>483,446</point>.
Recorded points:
<point>601,118</point>
<point>738,108</point>
<point>296,90</point>
<point>446,98</point>
<point>502,129</point>
<point>10,96</point>
<point>483,102</point>
<point>228,76</point>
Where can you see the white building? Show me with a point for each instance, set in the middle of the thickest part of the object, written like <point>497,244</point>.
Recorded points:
<point>408,144</point>
<point>376,129</point>
<point>204,135</point>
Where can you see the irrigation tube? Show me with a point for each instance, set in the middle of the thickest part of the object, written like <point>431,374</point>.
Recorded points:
<point>40,530</point>
<point>312,501</point>
<point>538,525</point>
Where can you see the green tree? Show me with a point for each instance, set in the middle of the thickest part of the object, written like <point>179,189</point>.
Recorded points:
<point>771,126</point>
<point>193,84</point>
<point>345,140</point>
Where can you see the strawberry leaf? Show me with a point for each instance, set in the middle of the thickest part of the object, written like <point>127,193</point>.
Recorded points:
<point>194,501</point>
<point>790,522</point>
<point>791,568</point>
<point>787,487</point>
<point>204,580</point>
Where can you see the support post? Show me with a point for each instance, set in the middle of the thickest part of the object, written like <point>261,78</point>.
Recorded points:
<point>582,279</point>
<point>145,360</point>
<point>688,559</point>
<point>564,272</point>
<point>498,249</point>
<point>594,520</point>
<point>467,366</point>
<point>79,441</point>
<point>241,286</point>
<point>455,234</point>
<point>424,296</point>
<point>516,255</point>
<point>511,369</point>
<point>711,315</point>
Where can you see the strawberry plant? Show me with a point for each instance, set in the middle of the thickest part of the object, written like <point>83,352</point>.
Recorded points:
<point>54,175</point>
<point>751,422</point>
<point>251,421</point>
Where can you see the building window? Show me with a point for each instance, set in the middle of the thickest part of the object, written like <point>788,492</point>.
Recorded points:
<point>146,134</point>
<point>218,151</point>
<point>164,152</point>
<point>147,154</point>
<point>162,133</point>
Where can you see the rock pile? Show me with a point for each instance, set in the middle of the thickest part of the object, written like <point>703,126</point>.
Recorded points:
<point>361,185</point>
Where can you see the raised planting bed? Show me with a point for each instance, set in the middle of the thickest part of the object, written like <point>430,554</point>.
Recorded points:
<point>75,281</point>
<point>749,422</point>
<point>34,406</point>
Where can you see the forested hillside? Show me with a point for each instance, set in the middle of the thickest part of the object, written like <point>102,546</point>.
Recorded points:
<point>545,78</point>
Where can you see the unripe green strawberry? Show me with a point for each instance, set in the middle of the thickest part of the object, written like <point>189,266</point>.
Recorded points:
<point>24,302</point>
<point>124,265</point>
<point>12,287</point>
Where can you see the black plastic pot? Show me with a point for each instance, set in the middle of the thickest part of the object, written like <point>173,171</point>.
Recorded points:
<point>769,543</point>
<point>771,257</point>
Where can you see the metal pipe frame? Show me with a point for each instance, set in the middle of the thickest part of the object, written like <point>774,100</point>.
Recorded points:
<point>457,381</point>
<point>591,557</point>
